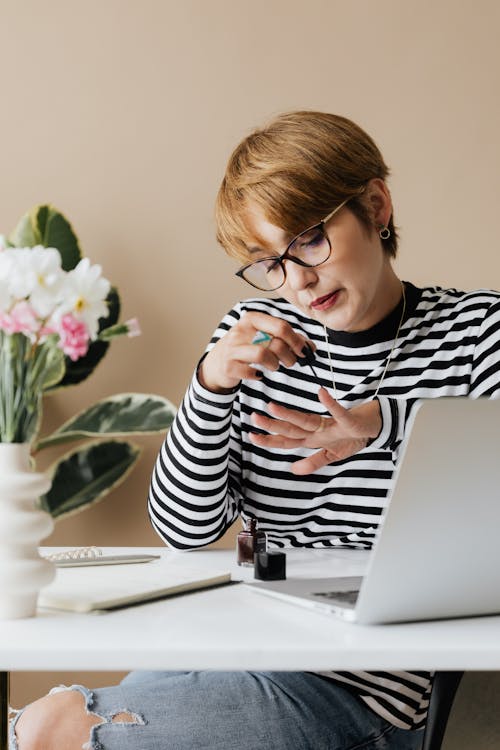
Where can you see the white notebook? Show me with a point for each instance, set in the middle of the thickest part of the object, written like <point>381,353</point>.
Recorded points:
<point>88,589</point>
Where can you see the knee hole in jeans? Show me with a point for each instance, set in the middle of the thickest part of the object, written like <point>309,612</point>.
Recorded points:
<point>53,722</point>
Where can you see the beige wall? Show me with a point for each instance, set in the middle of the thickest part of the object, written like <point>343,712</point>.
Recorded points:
<point>122,113</point>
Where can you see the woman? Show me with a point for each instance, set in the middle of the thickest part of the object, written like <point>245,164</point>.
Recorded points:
<point>301,432</point>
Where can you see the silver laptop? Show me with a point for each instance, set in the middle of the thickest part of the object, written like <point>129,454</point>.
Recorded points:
<point>438,553</point>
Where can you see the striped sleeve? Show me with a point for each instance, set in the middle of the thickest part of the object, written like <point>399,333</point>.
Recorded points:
<point>191,500</point>
<point>195,492</point>
<point>485,378</point>
<point>394,414</point>
<point>484,382</point>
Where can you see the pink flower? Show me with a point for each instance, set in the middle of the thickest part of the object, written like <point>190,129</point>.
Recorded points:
<point>133,327</point>
<point>21,319</point>
<point>73,337</point>
<point>5,322</point>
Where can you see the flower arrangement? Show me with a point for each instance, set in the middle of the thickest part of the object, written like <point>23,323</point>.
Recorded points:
<point>58,315</point>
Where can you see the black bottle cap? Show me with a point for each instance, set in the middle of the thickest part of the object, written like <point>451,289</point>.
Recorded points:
<point>270,566</point>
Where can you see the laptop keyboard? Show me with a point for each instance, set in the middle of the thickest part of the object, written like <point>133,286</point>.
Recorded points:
<point>347,598</point>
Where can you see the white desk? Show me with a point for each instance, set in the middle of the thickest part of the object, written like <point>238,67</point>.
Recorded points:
<point>234,628</point>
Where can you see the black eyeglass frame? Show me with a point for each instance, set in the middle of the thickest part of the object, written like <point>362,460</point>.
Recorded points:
<point>279,259</point>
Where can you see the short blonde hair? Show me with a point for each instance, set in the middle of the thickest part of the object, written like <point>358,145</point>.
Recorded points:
<point>297,169</point>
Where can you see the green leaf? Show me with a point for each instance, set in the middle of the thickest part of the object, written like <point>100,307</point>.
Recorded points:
<point>78,371</point>
<point>129,413</point>
<point>45,225</point>
<point>85,366</point>
<point>41,218</point>
<point>54,368</point>
<point>85,476</point>
<point>57,232</point>
<point>26,233</point>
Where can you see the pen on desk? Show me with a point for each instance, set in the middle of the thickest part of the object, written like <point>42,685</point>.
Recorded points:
<point>105,560</point>
<point>95,556</point>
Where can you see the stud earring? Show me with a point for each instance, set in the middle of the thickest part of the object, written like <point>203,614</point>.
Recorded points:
<point>384,232</point>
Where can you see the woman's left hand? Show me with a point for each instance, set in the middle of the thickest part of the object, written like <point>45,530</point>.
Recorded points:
<point>343,434</point>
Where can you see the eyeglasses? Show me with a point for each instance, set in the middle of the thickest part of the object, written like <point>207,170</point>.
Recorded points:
<point>310,248</point>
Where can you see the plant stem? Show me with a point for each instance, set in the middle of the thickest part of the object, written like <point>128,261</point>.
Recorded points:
<point>20,394</point>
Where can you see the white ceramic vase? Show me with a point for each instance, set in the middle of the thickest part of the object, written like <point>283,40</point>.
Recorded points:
<point>22,526</point>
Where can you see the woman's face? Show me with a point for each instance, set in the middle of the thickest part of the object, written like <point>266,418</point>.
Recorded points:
<point>356,287</point>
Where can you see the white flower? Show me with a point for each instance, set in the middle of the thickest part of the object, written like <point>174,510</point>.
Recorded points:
<point>5,269</point>
<point>5,298</point>
<point>84,293</point>
<point>18,272</point>
<point>33,273</point>
<point>47,279</point>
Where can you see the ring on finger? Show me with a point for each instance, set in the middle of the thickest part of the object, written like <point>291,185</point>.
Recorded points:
<point>323,424</point>
<point>262,338</point>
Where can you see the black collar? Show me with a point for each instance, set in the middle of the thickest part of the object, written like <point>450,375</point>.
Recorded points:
<point>385,329</point>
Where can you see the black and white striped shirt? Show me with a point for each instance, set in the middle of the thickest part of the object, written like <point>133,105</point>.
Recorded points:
<point>208,472</point>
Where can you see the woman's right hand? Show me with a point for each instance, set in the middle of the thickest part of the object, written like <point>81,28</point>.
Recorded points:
<point>230,361</point>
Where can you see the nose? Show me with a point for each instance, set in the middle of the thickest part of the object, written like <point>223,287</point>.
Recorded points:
<point>299,277</point>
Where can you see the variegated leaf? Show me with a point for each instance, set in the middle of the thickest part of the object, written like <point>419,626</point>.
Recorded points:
<point>123,413</point>
<point>85,476</point>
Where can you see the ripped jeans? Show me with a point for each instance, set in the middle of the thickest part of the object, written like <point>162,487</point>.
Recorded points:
<point>234,711</point>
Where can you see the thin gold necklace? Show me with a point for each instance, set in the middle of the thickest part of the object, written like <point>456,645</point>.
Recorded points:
<point>387,360</point>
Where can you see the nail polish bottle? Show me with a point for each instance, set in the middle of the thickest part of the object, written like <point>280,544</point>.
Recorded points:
<point>270,566</point>
<point>250,541</point>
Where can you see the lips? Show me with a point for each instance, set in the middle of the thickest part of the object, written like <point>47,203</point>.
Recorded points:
<point>326,301</point>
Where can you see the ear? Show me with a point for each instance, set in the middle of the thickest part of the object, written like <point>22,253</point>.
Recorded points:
<point>378,201</point>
